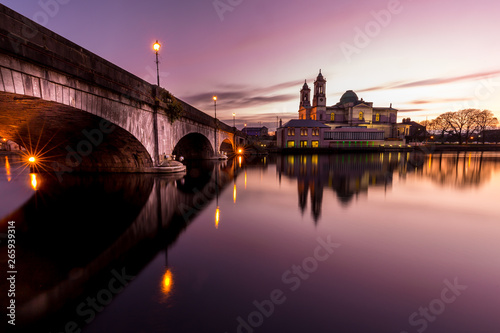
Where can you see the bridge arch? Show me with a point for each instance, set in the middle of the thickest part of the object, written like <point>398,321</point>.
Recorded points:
<point>194,146</point>
<point>226,146</point>
<point>68,139</point>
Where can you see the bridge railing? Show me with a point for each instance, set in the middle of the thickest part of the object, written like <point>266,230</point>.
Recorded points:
<point>26,39</point>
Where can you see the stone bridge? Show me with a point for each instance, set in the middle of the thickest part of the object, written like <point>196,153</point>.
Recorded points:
<point>79,112</point>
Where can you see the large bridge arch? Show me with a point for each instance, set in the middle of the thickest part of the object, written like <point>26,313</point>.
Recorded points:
<point>69,139</point>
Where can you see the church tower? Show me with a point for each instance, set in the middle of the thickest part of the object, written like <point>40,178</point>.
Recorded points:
<point>305,102</point>
<point>319,91</point>
<point>318,111</point>
<point>305,96</point>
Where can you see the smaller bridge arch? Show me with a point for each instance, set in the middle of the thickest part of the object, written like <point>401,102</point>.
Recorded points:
<point>194,146</point>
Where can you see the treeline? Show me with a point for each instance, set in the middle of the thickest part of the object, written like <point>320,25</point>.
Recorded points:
<point>462,125</point>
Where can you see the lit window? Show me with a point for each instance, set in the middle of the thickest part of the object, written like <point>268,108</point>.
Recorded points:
<point>315,144</point>
<point>303,143</point>
<point>332,117</point>
<point>290,144</point>
<point>303,132</point>
<point>360,115</point>
<point>377,117</point>
<point>291,131</point>
<point>315,131</point>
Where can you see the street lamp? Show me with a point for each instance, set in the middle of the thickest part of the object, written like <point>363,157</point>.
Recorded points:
<point>156,48</point>
<point>215,111</point>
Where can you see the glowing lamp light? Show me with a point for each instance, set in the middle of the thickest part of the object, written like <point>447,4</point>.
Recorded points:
<point>217,216</point>
<point>32,159</point>
<point>214,98</point>
<point>240,151</point>
<point>156,46</point>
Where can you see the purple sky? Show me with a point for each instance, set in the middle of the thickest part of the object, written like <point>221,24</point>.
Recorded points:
<point>425,57</point>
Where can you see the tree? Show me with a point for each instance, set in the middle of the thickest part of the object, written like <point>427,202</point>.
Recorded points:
<point>441,124</point>
<point>485,119</point>
<point>461,122</point>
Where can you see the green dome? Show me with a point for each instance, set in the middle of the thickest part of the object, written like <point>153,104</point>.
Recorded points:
<point>349,97</point>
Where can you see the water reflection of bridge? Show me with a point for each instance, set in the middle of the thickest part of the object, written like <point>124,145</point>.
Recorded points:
<point>71,235</point>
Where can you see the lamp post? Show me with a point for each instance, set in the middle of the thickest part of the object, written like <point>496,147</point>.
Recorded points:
<point>215,111</point>
<point>156,48</point>
<point>234,120</point>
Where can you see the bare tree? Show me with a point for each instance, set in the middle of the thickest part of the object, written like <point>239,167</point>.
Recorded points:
<point>485,119</point>
<point>439,124</point>
<point>462,122</point>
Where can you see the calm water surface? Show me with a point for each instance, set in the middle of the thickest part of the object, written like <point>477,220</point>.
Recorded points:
<point>391,242</point>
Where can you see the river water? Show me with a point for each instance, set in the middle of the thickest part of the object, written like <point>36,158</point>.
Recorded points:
<point>385,242</point>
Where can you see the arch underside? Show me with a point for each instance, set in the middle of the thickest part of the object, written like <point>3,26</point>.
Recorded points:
<point>226,146</point>
<point>68,138</point>
<point>194,146</point>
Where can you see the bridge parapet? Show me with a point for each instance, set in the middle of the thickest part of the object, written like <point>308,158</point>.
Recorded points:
<point>26,39</point>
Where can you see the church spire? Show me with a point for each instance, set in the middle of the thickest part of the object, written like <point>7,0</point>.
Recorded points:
<point>305,93</point>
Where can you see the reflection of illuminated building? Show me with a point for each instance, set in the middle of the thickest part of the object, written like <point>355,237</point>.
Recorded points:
<point>351,175</point>
<point>457,170</point>
<point>347,175</point>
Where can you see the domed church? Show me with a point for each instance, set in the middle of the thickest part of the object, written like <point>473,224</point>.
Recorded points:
<point>350,111</point>
<point>352,122</point>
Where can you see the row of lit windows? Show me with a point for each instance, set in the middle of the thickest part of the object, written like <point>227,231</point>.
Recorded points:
<point>303,144</point>
<point>360,116</point>
<point>303,131</point>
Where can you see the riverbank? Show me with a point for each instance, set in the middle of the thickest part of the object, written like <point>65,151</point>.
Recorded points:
<point>428,148</point>
<point>455,147</point>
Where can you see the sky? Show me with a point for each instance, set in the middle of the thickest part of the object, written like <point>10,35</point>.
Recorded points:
<point>425,57</point>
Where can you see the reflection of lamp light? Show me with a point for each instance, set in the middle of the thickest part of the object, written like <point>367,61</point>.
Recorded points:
<point>245,179</point>
<point>234,193</point>
<point>34,182</point>
<point>7,168</point>
<point>166,283</point>
<point>217,215</point>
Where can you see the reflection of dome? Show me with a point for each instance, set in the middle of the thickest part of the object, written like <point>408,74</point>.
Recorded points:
<point>349,97</point>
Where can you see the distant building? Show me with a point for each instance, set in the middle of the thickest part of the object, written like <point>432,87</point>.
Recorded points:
<point>416,131</point>
<point>256,131</point>
<point>350,122</point>
<point>492,136</point>
<point>301,133</point>
<point>349,111</point>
